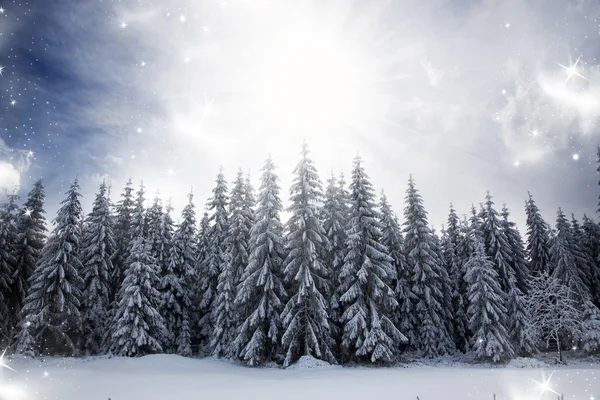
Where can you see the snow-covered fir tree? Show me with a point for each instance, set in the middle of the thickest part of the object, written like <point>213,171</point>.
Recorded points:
<point>583,256</point>
<point>538,239</point>
<point>518,254</point>
<point>366,298</point>
<point>261,293</point>
<point>451,242</point>
<point>138,218</point>
<point>335,218</point>
<point>123,235</point>
<point>518,321</point>
<point>137,325</point>
<point>591,241</point>
<point>392,239</point>
<point>496,243</point>
<point>240,222</point>
<point>54,297</point>
<point>429,333</point>
<point>97,248</point>
<point>31,235</point>
<point>564,262</point>
<point>218,283</point>
<point>486,311</point>
<point>591,327</point>
<point>9,224</point>
<point>176,284</point>
<point>305,318</point>
<point>200,312</point>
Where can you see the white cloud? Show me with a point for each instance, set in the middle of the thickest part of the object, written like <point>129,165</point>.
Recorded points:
<point>9,176</point>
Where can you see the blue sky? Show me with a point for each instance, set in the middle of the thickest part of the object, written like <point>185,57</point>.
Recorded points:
<point>467,96</point>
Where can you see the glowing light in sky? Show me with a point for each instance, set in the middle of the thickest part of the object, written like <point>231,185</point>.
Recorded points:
<point>1,69</point>
<point>575,157</point>
<point>572,70</point>
<point>123,25</point>
<point>13,102</point>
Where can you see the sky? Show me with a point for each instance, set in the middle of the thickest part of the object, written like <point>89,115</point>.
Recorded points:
<point>467,96</point>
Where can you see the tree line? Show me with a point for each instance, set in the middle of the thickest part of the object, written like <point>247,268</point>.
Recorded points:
<point>343,280</point>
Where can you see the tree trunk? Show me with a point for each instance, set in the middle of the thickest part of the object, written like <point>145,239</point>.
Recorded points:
<point>558,348</point>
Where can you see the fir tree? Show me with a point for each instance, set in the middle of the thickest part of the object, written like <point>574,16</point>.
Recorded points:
<point>564,261</point>
<point>496,244</point>
<point>305,317</point>
<point>138,218</point>
<point>30,241</point>
<point>591,242</point>
<point>123,236</point>
<point>518,254</point>
<point>335,216</point>
<point>261,292</point>
<point>429,333</point>
<point>538,239</point>
<point>97,248</point>
<point>9,224</point>
<point>240,223</point>
<point>137,324</point>
<point>200,311</point>
<point>367,299</point>
<point>178,281</point>
<point>54,296</point>
<point>591,327</point>
<point>486,311</point>
<point>584,256</point>
<point>451,242</point>
<point>217,284</point>
<point>518,322</point>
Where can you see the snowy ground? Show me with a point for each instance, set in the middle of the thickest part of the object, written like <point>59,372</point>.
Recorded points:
<point>169,377</point>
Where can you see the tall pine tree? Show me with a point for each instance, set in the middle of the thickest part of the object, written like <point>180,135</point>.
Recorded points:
<point>538,239</point>
<point>54,298</point>
<point>97,249</point>
<point>261,293</point>
<point>305,316</point>
<point>429,333</point>
<point>123,236</point>
<point>367,299</point>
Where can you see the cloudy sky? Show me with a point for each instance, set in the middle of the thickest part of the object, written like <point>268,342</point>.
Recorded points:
<point>467,96</point>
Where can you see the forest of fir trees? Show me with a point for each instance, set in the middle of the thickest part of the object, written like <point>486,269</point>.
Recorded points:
<point>344,280</point>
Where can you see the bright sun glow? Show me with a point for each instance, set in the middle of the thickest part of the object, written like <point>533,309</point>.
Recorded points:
<point>309,81</point>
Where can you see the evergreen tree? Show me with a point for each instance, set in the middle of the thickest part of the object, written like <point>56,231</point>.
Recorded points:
<point>367,299</point>
<point>518,322</point>
<point>123,236</point>
<point>518,254</point>
<point>584,256</point>
<point>240,223</point>
<point>591,327</point>
<point>563,257</point>
<point>429,333</point>
<point>335,216</point>
<point>451,242</point>
<point>261,292</point>
<point>138,218</point>
<point>177,283</point>
<point>200,310</point>
<point>486,311</point>
<point>538,239</point>
<point>54,296</point>
<point>496,244</point>
<point>218,284</point>
<point>591,242</point>
<point>97,249</point>
<point>30,241</point>
<point>305,317</point>
<point>9,225</point>
<point>137,324</point>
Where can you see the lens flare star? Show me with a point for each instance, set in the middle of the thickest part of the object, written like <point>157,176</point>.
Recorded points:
<point>1,70</point>
<point>3,364</point>
<point>545,386</point>
<point>572,70</point>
